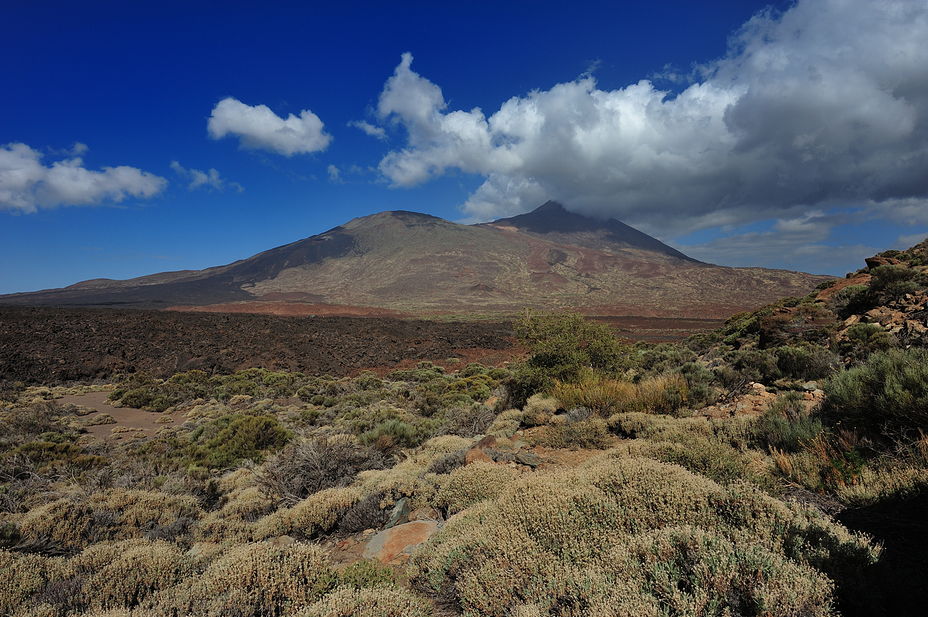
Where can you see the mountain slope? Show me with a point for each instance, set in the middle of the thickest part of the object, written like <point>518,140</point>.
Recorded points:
<point>553,222</point>
<point>416,263</point>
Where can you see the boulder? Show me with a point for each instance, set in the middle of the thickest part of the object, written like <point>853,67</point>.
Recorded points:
<point>476,455</point>
<point>387,545</point>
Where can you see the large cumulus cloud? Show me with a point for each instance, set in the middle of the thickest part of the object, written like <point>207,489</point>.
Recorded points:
<point>259,128</point>
<point>824,106</point>
<point>26,184</point>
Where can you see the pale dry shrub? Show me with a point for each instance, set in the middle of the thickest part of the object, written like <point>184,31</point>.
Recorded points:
<point>62,523</point>
<point>437,447</point>
<point>133,570</point>
<point>506,423</point>
<point>145,509</point>
<point>407,479</point>
<point>550,540</point>
<point>237,479</point>
<point>317,513</point>
<point>246,505</point>
<point>253,580</point>
<point>115,514</point>
<point>466,486</point>
<point>538,410</point>
<point>877,483</point>
<point>214,527</point>
<point>589,434</point>
<point>605,395</point>
<point>597,392</point>
<point>368,602</point>
<point>24,575</point>
<point>690,571</point>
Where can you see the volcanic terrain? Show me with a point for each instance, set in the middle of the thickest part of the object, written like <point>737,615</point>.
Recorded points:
<point>403,262</point>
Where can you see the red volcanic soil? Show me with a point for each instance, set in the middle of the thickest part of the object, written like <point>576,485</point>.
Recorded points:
<point>51,345</point>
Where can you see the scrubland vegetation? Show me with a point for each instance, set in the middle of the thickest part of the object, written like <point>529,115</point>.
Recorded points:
<point>691,504</point>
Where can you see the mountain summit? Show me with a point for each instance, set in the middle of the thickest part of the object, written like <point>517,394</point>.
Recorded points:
<point>554,222</point>
<point>419,264</point>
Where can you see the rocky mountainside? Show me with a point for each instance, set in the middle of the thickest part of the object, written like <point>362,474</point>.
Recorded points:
<point>419,264</point>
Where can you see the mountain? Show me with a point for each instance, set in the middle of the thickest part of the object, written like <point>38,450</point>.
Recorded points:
<point>553,222</point>
<point>416,263</point>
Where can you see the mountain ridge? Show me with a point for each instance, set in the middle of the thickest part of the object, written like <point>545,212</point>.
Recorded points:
<point>416,263</point>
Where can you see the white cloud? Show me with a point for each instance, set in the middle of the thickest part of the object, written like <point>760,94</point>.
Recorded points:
<point>821,107</point>
<point>374,131</point>
<point>198,178</point>
<point>909,240</point>
<point>26,184</point>
<point>334,174</point>
<point>259,128</point>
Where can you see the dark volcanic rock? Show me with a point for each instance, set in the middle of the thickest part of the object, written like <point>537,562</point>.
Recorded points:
<point>48,345</point>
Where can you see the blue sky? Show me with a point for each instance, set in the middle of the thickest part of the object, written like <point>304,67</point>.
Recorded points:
<point>140,137</point>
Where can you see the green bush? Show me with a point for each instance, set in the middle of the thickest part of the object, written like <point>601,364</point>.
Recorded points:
<point>892,282</point>
<point>864,339</point>
<point>226,441</point>
<point>785,425</point>
<point>883,397</point>
<point>564,343</point>
<point>394,434</point>
<point>806,362</point>
<point>754,364</point>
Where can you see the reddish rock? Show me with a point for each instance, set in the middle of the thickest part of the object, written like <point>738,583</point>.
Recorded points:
<point>486,443</point>
<point>387,545</point>
<point>877,261</point>
<point>476,455</point>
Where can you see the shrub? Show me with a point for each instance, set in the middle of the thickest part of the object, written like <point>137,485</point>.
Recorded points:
<point>665,393</point>
<point>564,343</point>
<point>252,580</point>
<point>538,410</point>
<point>127,572</point>
<point>892,282</point>
<point>864,339</point>
<point>851,300</point>
<point>230,439</point>
<point>375,601</point>
<point>447,463</point>
<point>639,535</point>
<point>22,576</point>
<point>365,514</point>
<point>395,434</point>
<point>467,421</point>
<point>469,485</point>
<point>306,467</point>
<point>754,364</point>
<point>786,425</point>
<point>316,514</point>
<point>367,573</point>
<point>590,433</point>
<point>808,362</point>
<point>883,397</point>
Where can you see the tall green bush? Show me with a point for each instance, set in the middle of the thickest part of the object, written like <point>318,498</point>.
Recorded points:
<point>886,395</point>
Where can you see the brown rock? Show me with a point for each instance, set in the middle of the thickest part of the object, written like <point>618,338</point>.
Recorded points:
<point>486,443</point>
<point>475,455</point>
<point>877,261</point>
<point>387,545</point>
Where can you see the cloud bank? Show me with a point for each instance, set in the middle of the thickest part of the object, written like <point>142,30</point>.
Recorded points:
<point>203,179</point>
<point>27,185</point>
<point>821,107</point>
<point>259,128</point>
